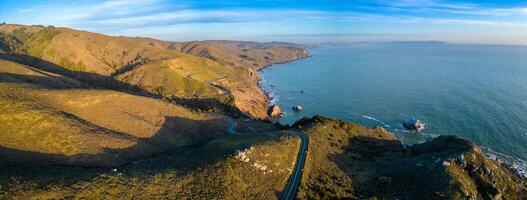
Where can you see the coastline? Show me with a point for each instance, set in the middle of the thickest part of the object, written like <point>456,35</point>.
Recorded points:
<point>308,55</point>
<point>512,163</point>
<point>268,97</point>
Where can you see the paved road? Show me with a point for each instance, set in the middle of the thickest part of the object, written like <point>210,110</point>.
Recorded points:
<point>294,181</point>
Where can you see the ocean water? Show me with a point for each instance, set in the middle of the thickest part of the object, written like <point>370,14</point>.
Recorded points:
<point>475,91</point>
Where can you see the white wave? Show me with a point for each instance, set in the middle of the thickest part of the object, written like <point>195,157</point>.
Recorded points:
<point>423,126</point>
<point>377,120</point>
<point>273,98</point>
<point>515,164</point>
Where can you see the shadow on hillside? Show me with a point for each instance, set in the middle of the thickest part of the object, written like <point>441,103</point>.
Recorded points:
<point>384,169</point>
<point>46,81</point>
<point>181,145</point>
<point>98,81</point>
<point>175,132</point>
<point>364,161</point>
<point>91,80</point>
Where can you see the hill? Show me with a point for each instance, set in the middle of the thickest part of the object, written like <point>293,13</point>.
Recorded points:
<point>174,70</point>
<point>50,124</point>
<point>209,171</point>
<point>59,135</point>
<point>239,53</point>
<point>349,161</point>
<point>48,117</point>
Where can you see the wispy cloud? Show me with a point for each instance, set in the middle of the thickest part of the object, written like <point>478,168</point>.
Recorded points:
<point>135,16</point>
<point>442,7</point>
<point>209,16</point>
<point>156,12</point>
<point>429,4</point>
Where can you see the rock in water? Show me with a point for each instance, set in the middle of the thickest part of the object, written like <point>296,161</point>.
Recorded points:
<point>297,108</point>
<point>274,111</point>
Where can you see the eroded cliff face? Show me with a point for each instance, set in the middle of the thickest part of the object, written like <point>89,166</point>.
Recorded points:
<point>346,160</point>
<point>249,98</point>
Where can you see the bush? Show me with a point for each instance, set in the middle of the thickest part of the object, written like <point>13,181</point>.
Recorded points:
<point>8,43</point>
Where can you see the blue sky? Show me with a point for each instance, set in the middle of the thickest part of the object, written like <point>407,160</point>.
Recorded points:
<point>469,21</point>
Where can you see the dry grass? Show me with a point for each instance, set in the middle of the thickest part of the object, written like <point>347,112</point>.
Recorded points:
<point>347,161</point>
<point>210,171</point>
<point>243,54</point>
<point>152,66</point>
<point>45,115</point>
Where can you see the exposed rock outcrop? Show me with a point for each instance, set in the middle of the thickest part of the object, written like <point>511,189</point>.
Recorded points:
<point>274,111</point>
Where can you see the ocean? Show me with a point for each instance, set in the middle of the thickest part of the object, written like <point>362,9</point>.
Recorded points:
<point>475,91</point>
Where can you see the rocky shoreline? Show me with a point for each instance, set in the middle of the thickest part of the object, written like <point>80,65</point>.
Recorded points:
<point>266,91</point>
<point>307,55</point>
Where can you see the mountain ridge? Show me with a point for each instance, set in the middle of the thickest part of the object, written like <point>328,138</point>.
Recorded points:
<point>110,56</point>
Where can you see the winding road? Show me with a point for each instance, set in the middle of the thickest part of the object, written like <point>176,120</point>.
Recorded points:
<point>294,181</point>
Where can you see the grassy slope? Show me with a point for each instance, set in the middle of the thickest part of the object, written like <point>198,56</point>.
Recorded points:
<point>33,127</point>
<point>48,118</point>
<point>183,75</point>
<point>210,171</point>
<point>180,75</point>
<point>82,126</point>
<point>14,72</point>
<point>142,62</point>
<point>245,54</point>
<point>350,161</point>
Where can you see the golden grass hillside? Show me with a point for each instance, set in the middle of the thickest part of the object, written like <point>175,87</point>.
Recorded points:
<point>173,70</point>
<point>69,125</point>
<point>17,73</point>
<point>349,161</point>
<point>209,171</point>
<point>237,53</point>
<point>80,50</point>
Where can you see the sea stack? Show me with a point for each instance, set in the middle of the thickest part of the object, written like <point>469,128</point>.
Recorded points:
<point>274,111</point>
<point>297,108</point>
